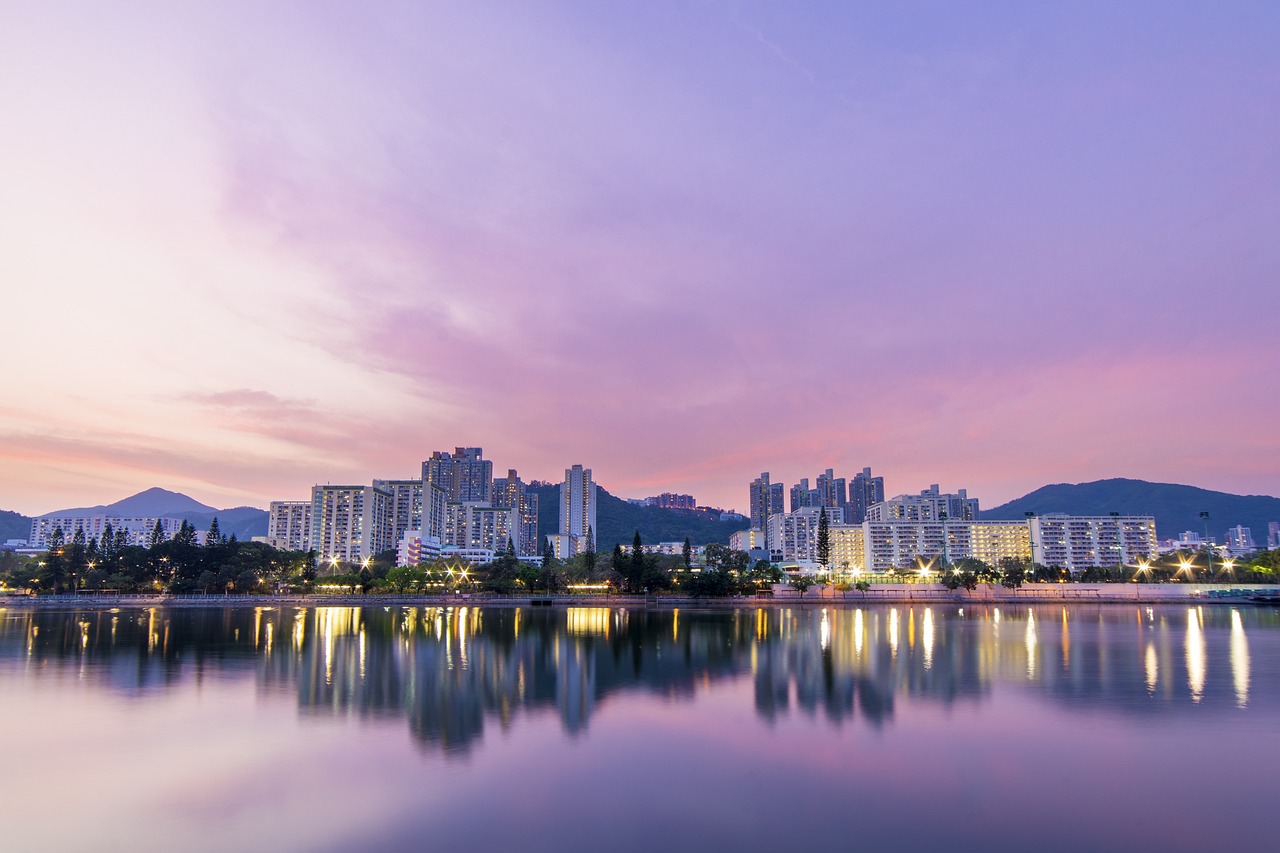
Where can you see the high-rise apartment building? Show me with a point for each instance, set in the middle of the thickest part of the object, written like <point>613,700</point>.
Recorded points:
<point>289,525</point>
<point>1273,535</point>
<point>833,494</point>
<point>512,493</point>
<point>865,491</point>
<point>465,475</point>
<point>766,499</point>
<point>1240,541</point>
<point>929,505</point>
<point>578,505</point>
<point>406,505</point>
<point>802,496</point>
<point>350,523</point>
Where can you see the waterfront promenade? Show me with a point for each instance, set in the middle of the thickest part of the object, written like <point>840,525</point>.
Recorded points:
<point>781,596</point>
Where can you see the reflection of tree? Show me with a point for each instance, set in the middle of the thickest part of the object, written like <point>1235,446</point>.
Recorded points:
<point>449,670</point>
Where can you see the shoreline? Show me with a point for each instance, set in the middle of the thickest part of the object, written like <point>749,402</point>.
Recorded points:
<point>1148,594</point>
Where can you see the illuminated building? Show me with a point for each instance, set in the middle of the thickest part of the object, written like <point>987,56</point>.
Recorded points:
<point>350,523</point>
<point>766,501</point>
<point>578,505</point>
<point>137,529</point>
<point>1078,542</point>
<point>289,525</point>
<point>747,540</point>
<point>929,505</point>
<point>464,475</point>
<point>1240,541</point>
<point>512,493</point>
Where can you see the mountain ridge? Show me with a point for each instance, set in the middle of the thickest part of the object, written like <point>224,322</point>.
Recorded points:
<point>1175,507</point>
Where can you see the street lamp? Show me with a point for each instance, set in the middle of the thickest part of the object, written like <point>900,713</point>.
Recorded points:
<point>1208,549</point>
<point>1032,539</point>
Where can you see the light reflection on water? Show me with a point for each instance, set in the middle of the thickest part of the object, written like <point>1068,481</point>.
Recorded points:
<point>445,676</point>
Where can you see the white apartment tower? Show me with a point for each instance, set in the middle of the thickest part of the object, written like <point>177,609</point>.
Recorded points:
<point>578,503</point>
<point>289,525</point>
<point>350,523</point>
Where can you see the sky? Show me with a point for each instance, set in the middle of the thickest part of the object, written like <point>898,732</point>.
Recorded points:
<point>248,247</point>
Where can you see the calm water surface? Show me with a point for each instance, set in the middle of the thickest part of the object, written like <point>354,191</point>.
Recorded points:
<point>899,728</point>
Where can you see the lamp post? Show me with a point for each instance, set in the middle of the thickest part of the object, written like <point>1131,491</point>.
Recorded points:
<point>1032,539</point>
<point>1208,548</point>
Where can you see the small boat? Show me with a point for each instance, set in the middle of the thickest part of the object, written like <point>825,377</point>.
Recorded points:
<point>1268,597</point>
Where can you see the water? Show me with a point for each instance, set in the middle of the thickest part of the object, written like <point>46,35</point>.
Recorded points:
<point>900,728</point>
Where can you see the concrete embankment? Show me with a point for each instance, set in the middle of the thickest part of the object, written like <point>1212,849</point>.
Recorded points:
<point>782,597</point>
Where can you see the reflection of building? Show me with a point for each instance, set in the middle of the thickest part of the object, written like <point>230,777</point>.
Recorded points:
<point>449,671</point>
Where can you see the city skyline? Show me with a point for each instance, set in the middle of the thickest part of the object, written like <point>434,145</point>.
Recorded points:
<point>251,250</point>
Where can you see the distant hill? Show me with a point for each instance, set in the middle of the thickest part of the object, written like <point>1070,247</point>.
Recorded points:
<point>244,521</point>
<point>13,526</point>
<point>618,521</point>
<point>153,503</point>
<point>1176,508</point>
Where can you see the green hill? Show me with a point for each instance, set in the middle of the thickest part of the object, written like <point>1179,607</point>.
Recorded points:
<point>618,521</point>
<point>13,526</point>
<point>1176,508</point>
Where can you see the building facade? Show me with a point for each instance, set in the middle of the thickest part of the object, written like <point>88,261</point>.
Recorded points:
<point>929,505</point>
<point>350,523</point>
<point>289,525</point>
<point>578,505</point>
<point>137,529</point>
<point>1240,541</point>
<point>465,475</point>
<point>865,491</point>
<point>1077,542</point>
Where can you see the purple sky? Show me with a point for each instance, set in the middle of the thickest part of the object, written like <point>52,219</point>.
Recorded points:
<point>249,247</point>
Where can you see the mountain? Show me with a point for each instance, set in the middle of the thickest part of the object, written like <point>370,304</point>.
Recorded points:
<point>13,526</point>
<point>244,521</point>
<point>618,521</point>
<point>1176,508</point>
<point>153,503</point>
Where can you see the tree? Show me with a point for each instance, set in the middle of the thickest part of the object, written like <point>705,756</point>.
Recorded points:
<point>107,545</point>
<point>214,536</point>
<point>186,537</point>
<point>688,553</point>
<point>824,539</point>
<point>801,582</point>
<point>1013,572</point>
<point>157,535</point>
